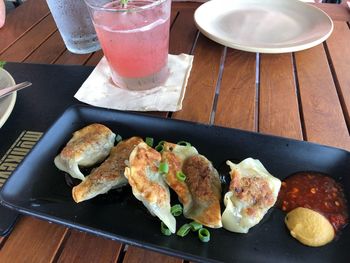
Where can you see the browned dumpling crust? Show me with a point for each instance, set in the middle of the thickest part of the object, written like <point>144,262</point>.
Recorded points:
<point>144,165</point>
<point>180,187</point>
<point>254,191</point>
<point>84,139</point>
<point>109,175</point>
<point>204,184</point>
<point>87,147</point>
<point>148,184</point>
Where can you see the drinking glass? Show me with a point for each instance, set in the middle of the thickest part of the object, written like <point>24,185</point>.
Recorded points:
<point>74,24</point>
<point>135,40</point>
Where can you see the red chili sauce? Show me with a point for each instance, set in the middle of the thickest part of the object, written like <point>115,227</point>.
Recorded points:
<point>317,192</point>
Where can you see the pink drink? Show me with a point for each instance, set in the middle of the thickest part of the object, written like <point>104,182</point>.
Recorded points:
<point>135,42</point>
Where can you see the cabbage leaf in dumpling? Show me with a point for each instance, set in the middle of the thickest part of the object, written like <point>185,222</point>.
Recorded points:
<point>87,147</point>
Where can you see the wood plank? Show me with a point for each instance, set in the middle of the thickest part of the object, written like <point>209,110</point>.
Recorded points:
<point>198,102</point>
<point>83,247</point>
<point>278,101</point>
<point>49,51</point>
<point>173,14</point>
<point>336,12</point>
<point>339,51</point>
<point>323,117</point>
<point>183,28</point>
<point>236,107</point>
<point>22,48</point>
<point>69,58</point>
<point>95,58</point>
<point>180,4</point>
<point>138,255</point>
<point>2,241</point>
<point>21,20</point>
<point>32,240</point>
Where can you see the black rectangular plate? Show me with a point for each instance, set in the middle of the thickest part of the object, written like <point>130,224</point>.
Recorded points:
<point>38,188</point>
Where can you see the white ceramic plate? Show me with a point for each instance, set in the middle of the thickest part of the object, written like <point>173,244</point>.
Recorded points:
<point>7,103</point>
<point>265,26</point>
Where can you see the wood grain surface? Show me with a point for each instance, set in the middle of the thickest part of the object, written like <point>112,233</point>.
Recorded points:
<point>200,93</point>
<point>279,112</point>
<point>303,95</point>
<point>19,22</point>
<point>338,48</point>
<point>321,109</point>
<point>238,91</point>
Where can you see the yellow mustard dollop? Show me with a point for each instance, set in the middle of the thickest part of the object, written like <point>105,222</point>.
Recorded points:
<point>309,227</point>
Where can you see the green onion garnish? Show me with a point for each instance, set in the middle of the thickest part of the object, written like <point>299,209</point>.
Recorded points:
<point>176,210</point>
<point>2,64</point>
<point>180,176</point>
<point>195,226</point>
<point>184,230</point>
<point>163,168</point>
<point>124,3</point>
<point>204,235</point>
<point>118,138</point>
<point>149,141</point>
<point>160,146</point>
<point>165,230</point>
<point>183,143</point>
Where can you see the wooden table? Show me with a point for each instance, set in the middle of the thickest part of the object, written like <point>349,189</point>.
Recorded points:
<point>304,95</point>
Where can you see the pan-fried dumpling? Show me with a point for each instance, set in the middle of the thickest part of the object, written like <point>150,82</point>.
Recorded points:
<point>200,193</point>
<point>252,192</point>
<point>109,175</point>
<point>174,155</point>
<point>148,184</point>
<point>204,183</point>
<point>87,147</point>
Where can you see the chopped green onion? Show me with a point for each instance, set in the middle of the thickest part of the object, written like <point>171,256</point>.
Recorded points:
<point>118,138</point>
<point>184,230</point>
<point>180,176</point>
<point>163,168</point>
<point>184,143</point>
<point>2,64</point>
<point>160,146</point>
<point>195,226</point>
<point>149,141</point>
<point>204,235</point>
<point>165,230</point>
<point>124,3</point>
<point>176,210</point>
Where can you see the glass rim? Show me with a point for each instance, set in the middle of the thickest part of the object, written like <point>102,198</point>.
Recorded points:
<point>120,10</point>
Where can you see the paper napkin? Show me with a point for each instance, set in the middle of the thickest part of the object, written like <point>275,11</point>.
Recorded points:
<point>99,90</point>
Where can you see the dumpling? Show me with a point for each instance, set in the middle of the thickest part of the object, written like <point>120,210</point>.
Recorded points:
<point>148,184</point>
<point>200,192</point>
<point>87,147</point>
<point>109,175</point>
<point>204,184</point>
<point>174,155</point>
<point>252,192</point>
